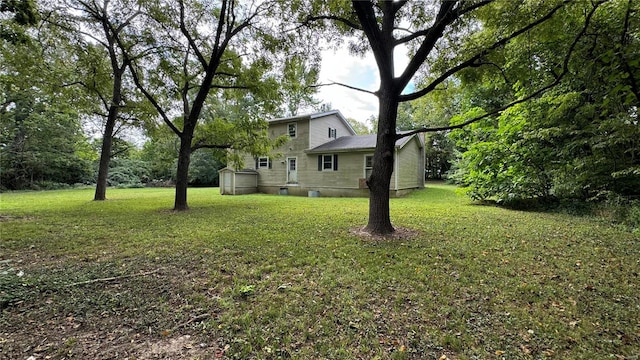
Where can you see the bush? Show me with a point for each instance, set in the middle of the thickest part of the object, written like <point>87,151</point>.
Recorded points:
<point>128,173</point>
<point>633,216</point>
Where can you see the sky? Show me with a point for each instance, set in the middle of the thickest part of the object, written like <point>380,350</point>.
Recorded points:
<point>342,67</point>
<point>359,71</point>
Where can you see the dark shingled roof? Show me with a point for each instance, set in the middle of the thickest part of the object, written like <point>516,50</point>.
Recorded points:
<point>306,116</point>
<point>314,116</point>
<point>357,142</point>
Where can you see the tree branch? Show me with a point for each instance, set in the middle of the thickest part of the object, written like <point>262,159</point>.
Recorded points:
<point>218,86</point>
<point>382,50</point>
<point>190,40</point>
<point>565,70</point>
<point>152,100</point>
<point>344,85</point>
<point>472,61</point>
<point>474,7</point>
<point>446,15</point>
<point>210,146</point>
<point>345,21</point>
<point>112,278</point>
<point>424,32</point>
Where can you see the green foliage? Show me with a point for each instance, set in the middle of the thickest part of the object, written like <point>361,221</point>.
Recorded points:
<point>633,218</point>
<point>299,76</point>
<point>359,127</point>
<point>577,140</point>
<point>17,15</point>
<point>204,167</point>
<point>40,143</point>
<point>160,152</point>
<point>432,111</point>
<point>159,156</point>
<point>125,172</point>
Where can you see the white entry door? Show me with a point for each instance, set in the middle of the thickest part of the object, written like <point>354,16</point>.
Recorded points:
<point>292,170</point>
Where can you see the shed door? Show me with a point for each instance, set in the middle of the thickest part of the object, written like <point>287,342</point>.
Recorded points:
<point>292,170</point>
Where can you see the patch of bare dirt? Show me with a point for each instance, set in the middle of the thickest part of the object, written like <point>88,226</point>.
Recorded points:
<point>110,345</point>
<point>132,312</point>
<point>13,218</point>
<point>401,234</point>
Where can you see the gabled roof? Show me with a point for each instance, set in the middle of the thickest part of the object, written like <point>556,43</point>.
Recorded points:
<point>312,117</point>
<point>355,143</point>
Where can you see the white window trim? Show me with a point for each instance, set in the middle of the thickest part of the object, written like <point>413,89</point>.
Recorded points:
<point>295,130</point>
<point>365,164</point>
<point>260,160</point>
<point>323,162</point>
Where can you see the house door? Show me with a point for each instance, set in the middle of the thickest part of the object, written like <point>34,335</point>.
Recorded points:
<point>292,170</point>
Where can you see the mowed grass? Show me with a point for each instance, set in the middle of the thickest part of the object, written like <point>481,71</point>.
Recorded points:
<point>267,277</point>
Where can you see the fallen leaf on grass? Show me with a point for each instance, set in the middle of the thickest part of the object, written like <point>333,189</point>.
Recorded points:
<point>548,353</point>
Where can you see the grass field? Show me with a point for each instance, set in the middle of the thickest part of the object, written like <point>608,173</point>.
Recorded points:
<point>268,277</point>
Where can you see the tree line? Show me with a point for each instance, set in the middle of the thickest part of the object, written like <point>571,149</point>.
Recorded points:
<point>524,100</point>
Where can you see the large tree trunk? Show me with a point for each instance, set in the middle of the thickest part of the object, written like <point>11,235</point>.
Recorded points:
<point>379,215</point>
<point>105,156</point>
<point>182,175</point>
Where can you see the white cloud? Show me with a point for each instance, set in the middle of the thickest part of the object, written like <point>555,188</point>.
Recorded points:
<point>342,67</point>
<point>358,71</point>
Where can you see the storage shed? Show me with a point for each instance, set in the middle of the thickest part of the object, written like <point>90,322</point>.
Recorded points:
<point>240,182</point>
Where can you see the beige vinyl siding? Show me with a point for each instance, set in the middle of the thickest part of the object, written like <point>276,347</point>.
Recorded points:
<point>346,177</point>
<point>246,181</point>
<point>277,174</point>
<point>319,130</point>
<point>409,165</point>
<point>350,171</point>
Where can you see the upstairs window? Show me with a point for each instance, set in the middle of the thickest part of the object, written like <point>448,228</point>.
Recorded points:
<point>332,133</point>
<point>293,130</point>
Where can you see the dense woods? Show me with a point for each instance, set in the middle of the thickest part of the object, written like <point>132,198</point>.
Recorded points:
<point>521,101</point>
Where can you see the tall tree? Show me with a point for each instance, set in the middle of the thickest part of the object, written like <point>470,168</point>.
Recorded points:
<point>444,38</point>
<point>209,50</point>
<point>299,78</point>
<point>100,30</point>
<point>578,140</point>
<point>41,139</point>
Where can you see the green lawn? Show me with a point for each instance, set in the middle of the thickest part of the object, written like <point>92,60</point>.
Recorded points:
<point>267,277</point>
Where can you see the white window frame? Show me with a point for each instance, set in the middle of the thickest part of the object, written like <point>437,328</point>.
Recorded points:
<point>330,163</point>
<point>293,126</point>
<point>333,133</point>
<point>365,164</point>
<point>264,159</point>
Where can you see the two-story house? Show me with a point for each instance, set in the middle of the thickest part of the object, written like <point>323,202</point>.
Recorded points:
<point>324,156</point>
